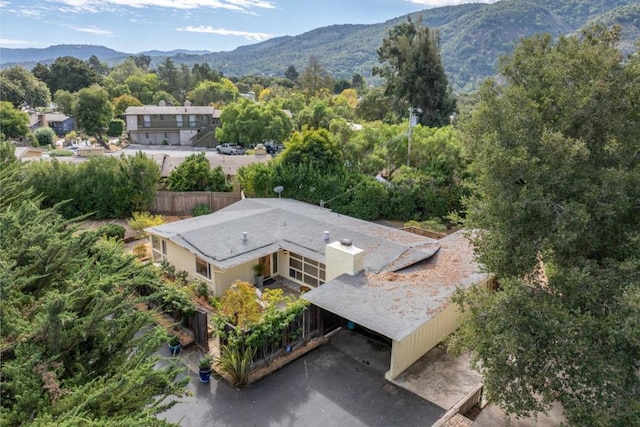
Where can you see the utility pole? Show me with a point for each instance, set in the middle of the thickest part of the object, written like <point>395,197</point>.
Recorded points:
<point>413,120</point>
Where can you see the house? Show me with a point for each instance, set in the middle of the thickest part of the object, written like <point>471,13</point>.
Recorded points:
<point>394,284</point>
<point>60,123</point>
<point>26,154</point>
<point>172,125</point>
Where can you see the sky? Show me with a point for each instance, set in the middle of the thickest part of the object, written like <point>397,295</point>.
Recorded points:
<point>134,26</point>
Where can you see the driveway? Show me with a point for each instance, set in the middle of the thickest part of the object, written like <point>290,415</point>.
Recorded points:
<point>327,387</point>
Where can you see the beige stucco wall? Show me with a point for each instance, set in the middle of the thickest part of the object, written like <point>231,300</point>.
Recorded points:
<point>404,353</point>
<point>340,259</point>
<point>224,279</point>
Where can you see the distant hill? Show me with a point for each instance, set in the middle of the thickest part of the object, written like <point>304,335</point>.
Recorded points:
<point>473,37</point>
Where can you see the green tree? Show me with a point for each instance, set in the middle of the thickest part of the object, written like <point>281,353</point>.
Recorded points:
<point>7,153</point>
<point>554,151</point>
<point>169,77</point>
<point>75,351</point>
<point>98,67</point>
<point>247,122</point>
<point>69,73</point>
<point>375,105</point>
<point>196,174</point>
<point>93,111</point>
<point>143,86</point>
<point>312,147</point>
<point>65,101</point>
<point>44,136</point>
<point>22,88</point>
<point>415,77</point>
<point>13,123</point>
<point>121,103</point>
<point>315,77</point>
<point>291,73</point>
<point>208,92</point>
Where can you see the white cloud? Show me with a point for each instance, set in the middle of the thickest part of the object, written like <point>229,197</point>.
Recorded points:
<point>256,37</point>
<point>235,5</point>
<point>92,30</point>
<point>17,43</point>
<point>438,3</point>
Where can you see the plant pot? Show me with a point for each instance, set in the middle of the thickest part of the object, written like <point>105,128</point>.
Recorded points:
<point>205,375</point>
<point>175,349</point>
<point>259,281</point>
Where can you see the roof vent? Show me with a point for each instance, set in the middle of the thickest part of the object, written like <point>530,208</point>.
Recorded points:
<point>326,236</point>
<point>244,236</point>
<point>346,242</point>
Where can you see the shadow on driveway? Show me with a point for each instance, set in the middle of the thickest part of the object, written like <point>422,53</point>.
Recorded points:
<point>326,387</point>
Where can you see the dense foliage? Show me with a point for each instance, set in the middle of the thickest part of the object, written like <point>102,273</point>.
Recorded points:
<point>413,73</point>
<point>13,122</point>
<point>106,187</point>
<point>74,351</point>
<point>195,174</point>
<point>555,155</point>
<point>246,122</point>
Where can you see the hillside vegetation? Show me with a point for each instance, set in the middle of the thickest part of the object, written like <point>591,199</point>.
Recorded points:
<point>473,37</point>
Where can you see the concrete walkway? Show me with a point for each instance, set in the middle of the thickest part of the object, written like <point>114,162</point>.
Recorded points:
<point>440,378</point>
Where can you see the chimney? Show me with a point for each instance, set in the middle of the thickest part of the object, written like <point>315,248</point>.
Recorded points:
<point>42,120</point>
<point>342,257</point>
<point>244,236</point>
<point>326,236</point>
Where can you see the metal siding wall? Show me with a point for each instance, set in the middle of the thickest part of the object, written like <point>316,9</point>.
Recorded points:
<point>412,348</point>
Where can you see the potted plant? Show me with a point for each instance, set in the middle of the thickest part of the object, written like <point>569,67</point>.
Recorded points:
<point>258,270</point>
<point>204,368</point>
<point>174,345</point>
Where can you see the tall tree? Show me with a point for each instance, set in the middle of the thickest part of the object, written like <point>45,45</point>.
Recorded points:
<point>22,88</point>
<point>208,92</point>
<point>70,74</point>
<point>13,123</point>
<point>315,77</point>
<point>246,122</point>
<point>415,77</point>
<point>74,349</point>
<point>65,101</point>
<point>291,73</point>
<point>93,111</point>
<point>170,78</point>
<point>555,153</point>
<point>99,67</point>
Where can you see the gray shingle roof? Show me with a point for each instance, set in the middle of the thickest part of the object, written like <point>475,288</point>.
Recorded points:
<point>396,304</point>
<point>273,224</point>
<point>159,109</point>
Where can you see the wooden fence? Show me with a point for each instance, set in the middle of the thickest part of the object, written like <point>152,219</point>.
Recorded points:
<point>182,203</point>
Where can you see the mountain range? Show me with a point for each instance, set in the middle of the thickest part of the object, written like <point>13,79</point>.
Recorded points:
<point>473,37</point>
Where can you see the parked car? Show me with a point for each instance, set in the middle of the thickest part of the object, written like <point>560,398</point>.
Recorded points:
<point>272,147</point>
<point>229,149</point>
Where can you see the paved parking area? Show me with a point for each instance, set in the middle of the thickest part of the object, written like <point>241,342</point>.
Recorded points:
<point>327,387</point>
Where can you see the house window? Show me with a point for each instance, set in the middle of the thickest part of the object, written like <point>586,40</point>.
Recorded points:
<point>179,120</point>
<point>192,120</point>
<point>203,268</point>
<point>158,249</point>
<point>146,121</point>
<point>306,270</point>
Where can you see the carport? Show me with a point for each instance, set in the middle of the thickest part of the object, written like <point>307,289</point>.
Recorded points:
<point>411,307</point>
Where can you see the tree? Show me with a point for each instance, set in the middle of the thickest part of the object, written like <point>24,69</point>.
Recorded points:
<point>98,67</point>
<point>415,77</point>
<point>291,73</point>
<point>208,92</point>
<point>69,73</point>
<point>44,136</point>
<point>247,122</point>
<point>65,101</point>
<point>196,174</point>
<point>22,88</point>
<point>555,155</point>
<point>7,154</point>
<point>169,78</point>
<point>13,123</point>
<point>142,61</point>
<point>312,147</point>
<point>143,86</point>
<point>202,72</point>
<point>75,351</point>
<point>121,103</point>
<point>93,111</point>
<point>315,77</point>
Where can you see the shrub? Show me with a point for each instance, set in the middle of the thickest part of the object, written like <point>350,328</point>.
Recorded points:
<point>168,270</point>
<point>44,136</point>
<point>201,210</point>
<point>60,153</point>
<point>235,362</point>
<point>202,289</point>
<point>205,362</point>
<point>112,231</point>
<point>181,277</point>
<point>142,220</point>
<point>116,127</point>
<point>140,250</point>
